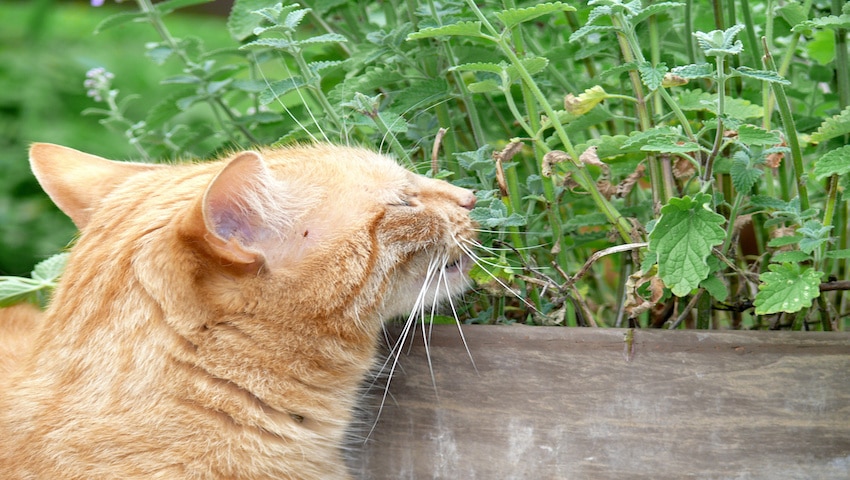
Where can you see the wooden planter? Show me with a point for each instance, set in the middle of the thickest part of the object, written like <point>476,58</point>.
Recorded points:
<point>569,403</point>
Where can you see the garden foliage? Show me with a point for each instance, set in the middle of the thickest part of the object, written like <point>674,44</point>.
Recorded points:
<point>636,163</point>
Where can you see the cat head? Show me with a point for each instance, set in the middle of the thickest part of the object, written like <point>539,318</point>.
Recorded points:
<point>308,232</point>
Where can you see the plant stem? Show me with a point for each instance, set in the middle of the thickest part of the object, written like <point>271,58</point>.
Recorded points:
<point>790,131</point>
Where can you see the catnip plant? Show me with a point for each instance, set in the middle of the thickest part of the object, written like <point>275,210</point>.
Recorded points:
<point>636,164</point>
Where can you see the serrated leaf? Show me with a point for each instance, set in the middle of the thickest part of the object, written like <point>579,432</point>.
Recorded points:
<point>242,20</point>
<point>737,108</point>
<point>792,256</point>
<point>461,29</point>
<point>324,38</point>
<point>832,22</point>
<point>720,42</point>
<point>663,133</point>
<point>277,43</point>
<point>280,88</point>
<point>787,287</point>
<point>484,86</point>
<point>652,76</point>
<point>697,70</point>
<point>763,202</point>
<point>662,146</point>
<point>763,75</point>
<point>50,269</point>
<point>532,65</point>
<point>294,18</point>
<point>585,101</point>
<point>752,135</point>
<point>744,175</point>
<point>683,239</point>
<point>514,16</point>
<point>653,9</point>
<point>589,29</point>
<point>834,126</point>
<point>834,162</point>
<point>783,241</point>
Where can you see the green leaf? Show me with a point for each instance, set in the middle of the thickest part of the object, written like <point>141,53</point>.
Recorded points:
<point>653,9</point>
<point>169,6</point>
<point>787,287</point>
<point>242,20</point>
<point>834,126</point>
<point>752,135</point>
<point>280,88</point>
<point>294,18</point>
<point>324,38</point>
<point>834,162</point>
<point>683,239</point>
<point>662,146</point>
<point>532,65</point>
<point>832,22</point>
<point>793,13</point>
<point>586,220</point>
<point>792,256</point>
<point>461,29</point>
<point>479,67</point>
<point>814,235</point>
<point>514,16</point>
<point>843,253</point>
<point>715,287</point>
<point>51,269</point>
<point>694,70</point>
<point>720,42</point>
<point>16,289</point>
<point>821,47</point>
<point>744,174</point>
<point>765,202</point>
<point>119,19</point>
<point>590,29</point>
<point>763,75</point>
<point>652,76</point>
<point>484,86</point>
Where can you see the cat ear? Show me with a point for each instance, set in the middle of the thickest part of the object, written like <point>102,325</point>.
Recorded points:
<point>76,181</point>
<point>244,210</point>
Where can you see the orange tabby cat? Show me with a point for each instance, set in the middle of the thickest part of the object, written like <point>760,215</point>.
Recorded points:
<point>215,319</point>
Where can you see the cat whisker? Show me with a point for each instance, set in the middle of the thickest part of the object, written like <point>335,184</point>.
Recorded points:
<point>481,263</point>
<point>394,355</point>
<point>285,108</point>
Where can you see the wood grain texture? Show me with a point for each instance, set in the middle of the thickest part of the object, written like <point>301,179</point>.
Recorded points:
<point>565,403</point>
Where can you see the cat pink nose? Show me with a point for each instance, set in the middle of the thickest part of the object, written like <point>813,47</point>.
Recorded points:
<point>467,200</point>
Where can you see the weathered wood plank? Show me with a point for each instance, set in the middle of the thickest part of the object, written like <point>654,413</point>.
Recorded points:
<point>565,403</point>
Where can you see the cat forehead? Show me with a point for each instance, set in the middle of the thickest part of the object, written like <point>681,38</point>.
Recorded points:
<point>342,169</point>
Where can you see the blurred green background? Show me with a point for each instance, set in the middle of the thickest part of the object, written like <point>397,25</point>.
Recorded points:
<point>46,48</point>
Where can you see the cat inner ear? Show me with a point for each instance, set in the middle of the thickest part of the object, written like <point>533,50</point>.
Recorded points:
<point>246,211</point>
<point>77,181</point>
